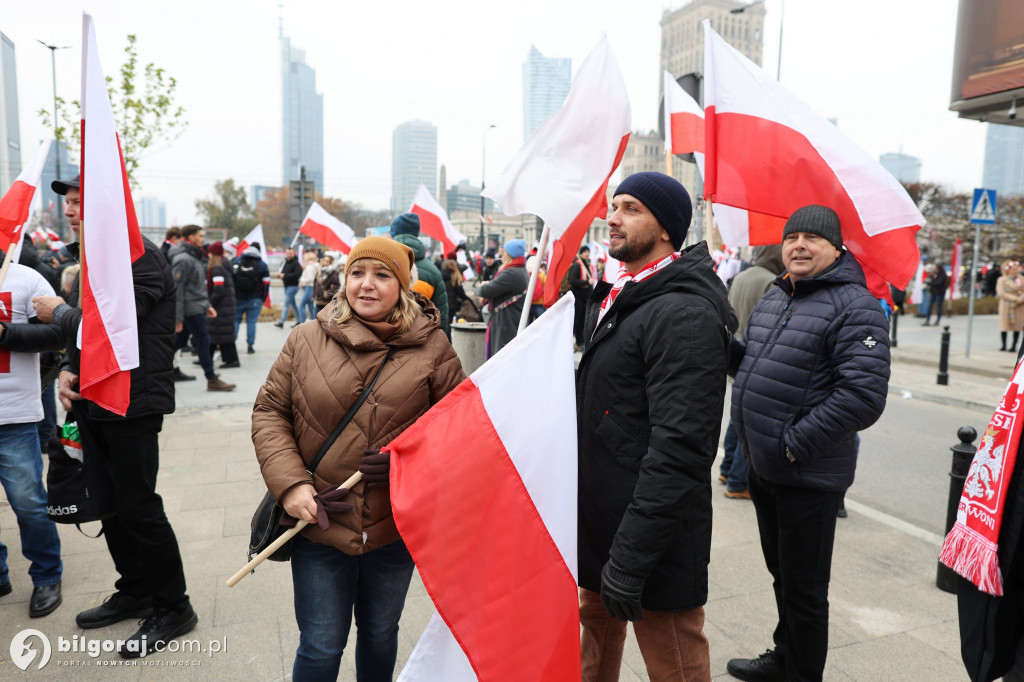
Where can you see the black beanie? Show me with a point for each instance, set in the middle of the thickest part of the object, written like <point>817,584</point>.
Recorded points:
<point>664,197</point>
<point>815,219</point>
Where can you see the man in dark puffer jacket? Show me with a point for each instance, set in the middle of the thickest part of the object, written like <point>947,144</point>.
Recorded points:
<point>650,391</point>
<point>814,372</point>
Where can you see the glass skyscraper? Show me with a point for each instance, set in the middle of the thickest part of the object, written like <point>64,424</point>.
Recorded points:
<point>1004,159</point>
<point>546,82</point>
<point>302,131</point>
<point>10,130</point>
<point>413,161</point>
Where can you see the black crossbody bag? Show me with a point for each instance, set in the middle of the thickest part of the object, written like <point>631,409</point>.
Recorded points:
<point>266,522</point>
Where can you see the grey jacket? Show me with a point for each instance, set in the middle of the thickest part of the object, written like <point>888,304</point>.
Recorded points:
<point>189,281</point>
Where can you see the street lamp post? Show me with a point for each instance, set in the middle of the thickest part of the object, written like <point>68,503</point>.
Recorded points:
<point>782,16</point>
<point>53,67</point>
<point>483,181</point>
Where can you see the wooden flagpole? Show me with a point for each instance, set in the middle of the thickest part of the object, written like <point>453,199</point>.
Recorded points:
<point>541,249</point>
<point>285,537</point>
<point>8,259</point>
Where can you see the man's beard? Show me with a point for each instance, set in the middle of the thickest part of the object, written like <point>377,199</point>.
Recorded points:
<point>633,248</point>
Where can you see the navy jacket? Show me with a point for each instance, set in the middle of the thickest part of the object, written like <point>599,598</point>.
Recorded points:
<point>650,391</point>
<point>814,372</point>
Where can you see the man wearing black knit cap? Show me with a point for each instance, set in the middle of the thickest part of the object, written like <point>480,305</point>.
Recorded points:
<point>650,393</point>
<point>812,370</point>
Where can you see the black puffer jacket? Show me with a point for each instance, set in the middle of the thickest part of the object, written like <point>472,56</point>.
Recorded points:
<point>650,391</point>
<point>153,380</point>
<point>815,371</point>
<point>222,299</point>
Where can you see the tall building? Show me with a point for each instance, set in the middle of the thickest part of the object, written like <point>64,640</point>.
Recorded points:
<point>258,192</point>
<point>413,161</point>
<point>52,204</point>
<point>10,131</point>
<point>905,168</point>
<point>302,130</point>
<point>1004,159</point>
<point>644,152</point>
<point>546,82</point>
<point>682,50</point>
<point>466,197</point>
<point>151,212</point>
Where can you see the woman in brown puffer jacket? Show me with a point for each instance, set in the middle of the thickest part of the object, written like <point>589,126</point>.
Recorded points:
<point>358,562</point>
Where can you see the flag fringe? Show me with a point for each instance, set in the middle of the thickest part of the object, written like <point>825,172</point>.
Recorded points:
<point>974,557</point>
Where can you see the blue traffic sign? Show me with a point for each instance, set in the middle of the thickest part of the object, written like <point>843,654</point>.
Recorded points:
<point>983,207</point>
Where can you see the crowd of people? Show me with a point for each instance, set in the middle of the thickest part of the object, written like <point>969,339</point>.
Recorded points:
<point>655,347</point>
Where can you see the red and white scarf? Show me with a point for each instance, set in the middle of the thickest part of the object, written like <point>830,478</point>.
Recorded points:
<point>624,277</point>
<point>971,547</point>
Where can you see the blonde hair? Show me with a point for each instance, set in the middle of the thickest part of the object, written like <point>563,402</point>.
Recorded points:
<point>67,278</point>
<point>309,256</point>
<point>403,314</point>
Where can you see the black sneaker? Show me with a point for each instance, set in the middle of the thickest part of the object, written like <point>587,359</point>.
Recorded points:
<point>155,631</point>
<point>231,365</point>
<point>114,609</point>
<point>279,325</point>
<point>250,350</point>
<point>181,376</point>
<point>768,667</point>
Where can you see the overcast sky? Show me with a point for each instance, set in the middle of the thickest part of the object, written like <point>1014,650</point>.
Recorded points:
<point>881,68</point>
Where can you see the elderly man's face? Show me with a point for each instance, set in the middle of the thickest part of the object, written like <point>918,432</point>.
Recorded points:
<point>805,254</point>
<point>73,208</point>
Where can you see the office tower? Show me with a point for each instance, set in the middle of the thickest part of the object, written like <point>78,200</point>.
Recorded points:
<point>466,197</point>
<point>1004,159</point>
<point>302,123</point>
<point>10,131</point>
<point>905,168</point>
<point>413,161</point>
<point>52,204</point>
<point>151,212</point>
<point>546,82</point>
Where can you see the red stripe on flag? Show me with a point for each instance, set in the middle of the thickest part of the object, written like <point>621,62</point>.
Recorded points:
<point>564,250</point>
<point>324,235</point>
<point>687,133</point>
<point>431,225</point>
<point>14,208</point>
<point>764,229</point>
<point>481,547</point>
<point>135,244</point>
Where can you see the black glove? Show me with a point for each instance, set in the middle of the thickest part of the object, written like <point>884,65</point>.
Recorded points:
<point>331,501</point>
<point>620,593</point>
<point>376,467</point>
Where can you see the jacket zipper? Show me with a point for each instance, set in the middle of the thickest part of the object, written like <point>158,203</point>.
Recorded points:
<point>782,321</point>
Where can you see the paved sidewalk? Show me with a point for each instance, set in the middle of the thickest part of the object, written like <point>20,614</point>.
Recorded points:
<point>888,620</point>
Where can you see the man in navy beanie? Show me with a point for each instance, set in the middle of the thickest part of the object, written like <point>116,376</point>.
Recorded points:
<point>650,392</point>
<point>405,229</point>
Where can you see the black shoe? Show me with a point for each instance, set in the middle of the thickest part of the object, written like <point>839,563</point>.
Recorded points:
<point>841,513</point>
<point>114,609</point>
<point>250,350</point>
<point>197,362</point>
<point>231,365</point>
<point>45,600</point>
<point>279,325</point>
<point>181,376</point>
<point>157,630</point>
<point>6,589</point>
<point>768,667</point>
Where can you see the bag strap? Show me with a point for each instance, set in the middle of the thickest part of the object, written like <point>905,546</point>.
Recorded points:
<point>348,416</point>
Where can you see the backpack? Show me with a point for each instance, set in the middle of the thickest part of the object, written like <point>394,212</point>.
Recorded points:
<point>246,274</point>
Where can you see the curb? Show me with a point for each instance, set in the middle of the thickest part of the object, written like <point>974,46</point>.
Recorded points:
<point>941,399</point>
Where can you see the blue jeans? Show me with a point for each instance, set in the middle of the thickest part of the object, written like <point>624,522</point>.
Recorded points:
<point>289,303</point>
<point>936,303</point>
<point>329,585</point>
<point>195,325</point>
<point>21,473</point>
<point>734,464</point>
<point>250,307</point>
<point>306,304</point>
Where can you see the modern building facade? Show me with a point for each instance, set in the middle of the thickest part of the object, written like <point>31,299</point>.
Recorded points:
<point>10,129</point>
<point>258,192</point>
<point>904,167</point>
<point>682,50</point>
<point>413,161</point>
<point>52,204</point>
<point>644,152</point>
<point>151,212</point>
<point>1004,160</point>
<point>546,82</point>
<point>302,122</point>
<point>466,197</point>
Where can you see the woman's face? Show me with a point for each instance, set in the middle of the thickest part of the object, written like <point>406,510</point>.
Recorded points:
<point>371,289</point>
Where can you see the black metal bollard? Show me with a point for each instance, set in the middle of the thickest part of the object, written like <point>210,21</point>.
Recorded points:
<point>963,453</point>
<point>943,378</point>
<point>895,326</point>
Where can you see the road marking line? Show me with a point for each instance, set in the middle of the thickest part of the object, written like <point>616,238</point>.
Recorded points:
<point>895,523</point>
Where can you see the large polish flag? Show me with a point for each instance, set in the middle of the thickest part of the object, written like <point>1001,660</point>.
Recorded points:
<point>434,220</point>
<point>16,204</point>
<point>767,151</point>
<point>494,534</point>
<point>326,229</point>
<point>561,173</point>
<point>111,242</point>
<point>256,236</point>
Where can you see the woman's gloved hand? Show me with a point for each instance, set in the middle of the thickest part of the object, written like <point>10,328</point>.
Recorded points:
<point>376,467</point>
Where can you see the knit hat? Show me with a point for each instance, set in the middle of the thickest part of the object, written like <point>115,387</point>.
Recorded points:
<point>664,197</point>
<point>397,256</point>
<point>815,219</point>
<point>216,249</point>
<point>406,223</point>
<point>515,248</point>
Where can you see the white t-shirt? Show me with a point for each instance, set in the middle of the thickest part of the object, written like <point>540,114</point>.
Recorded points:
<point>20,389</point>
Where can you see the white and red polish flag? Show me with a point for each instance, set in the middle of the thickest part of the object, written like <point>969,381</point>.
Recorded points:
<point>767,151</point>
<point>954,266</point>
<point>328,230</point>
<point>256,236</point>
<point>434,220</point>
<point>561,173</point>
<point>111,242</point>
<point>16,204</point>
<point>494,535</point>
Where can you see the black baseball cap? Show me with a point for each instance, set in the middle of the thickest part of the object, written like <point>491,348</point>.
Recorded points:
<point>62,186</point>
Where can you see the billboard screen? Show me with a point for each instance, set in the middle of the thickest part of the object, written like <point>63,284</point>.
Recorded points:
<point>989,55</point>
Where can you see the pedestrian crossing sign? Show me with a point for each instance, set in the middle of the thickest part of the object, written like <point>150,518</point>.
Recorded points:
<point>983,208</point>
